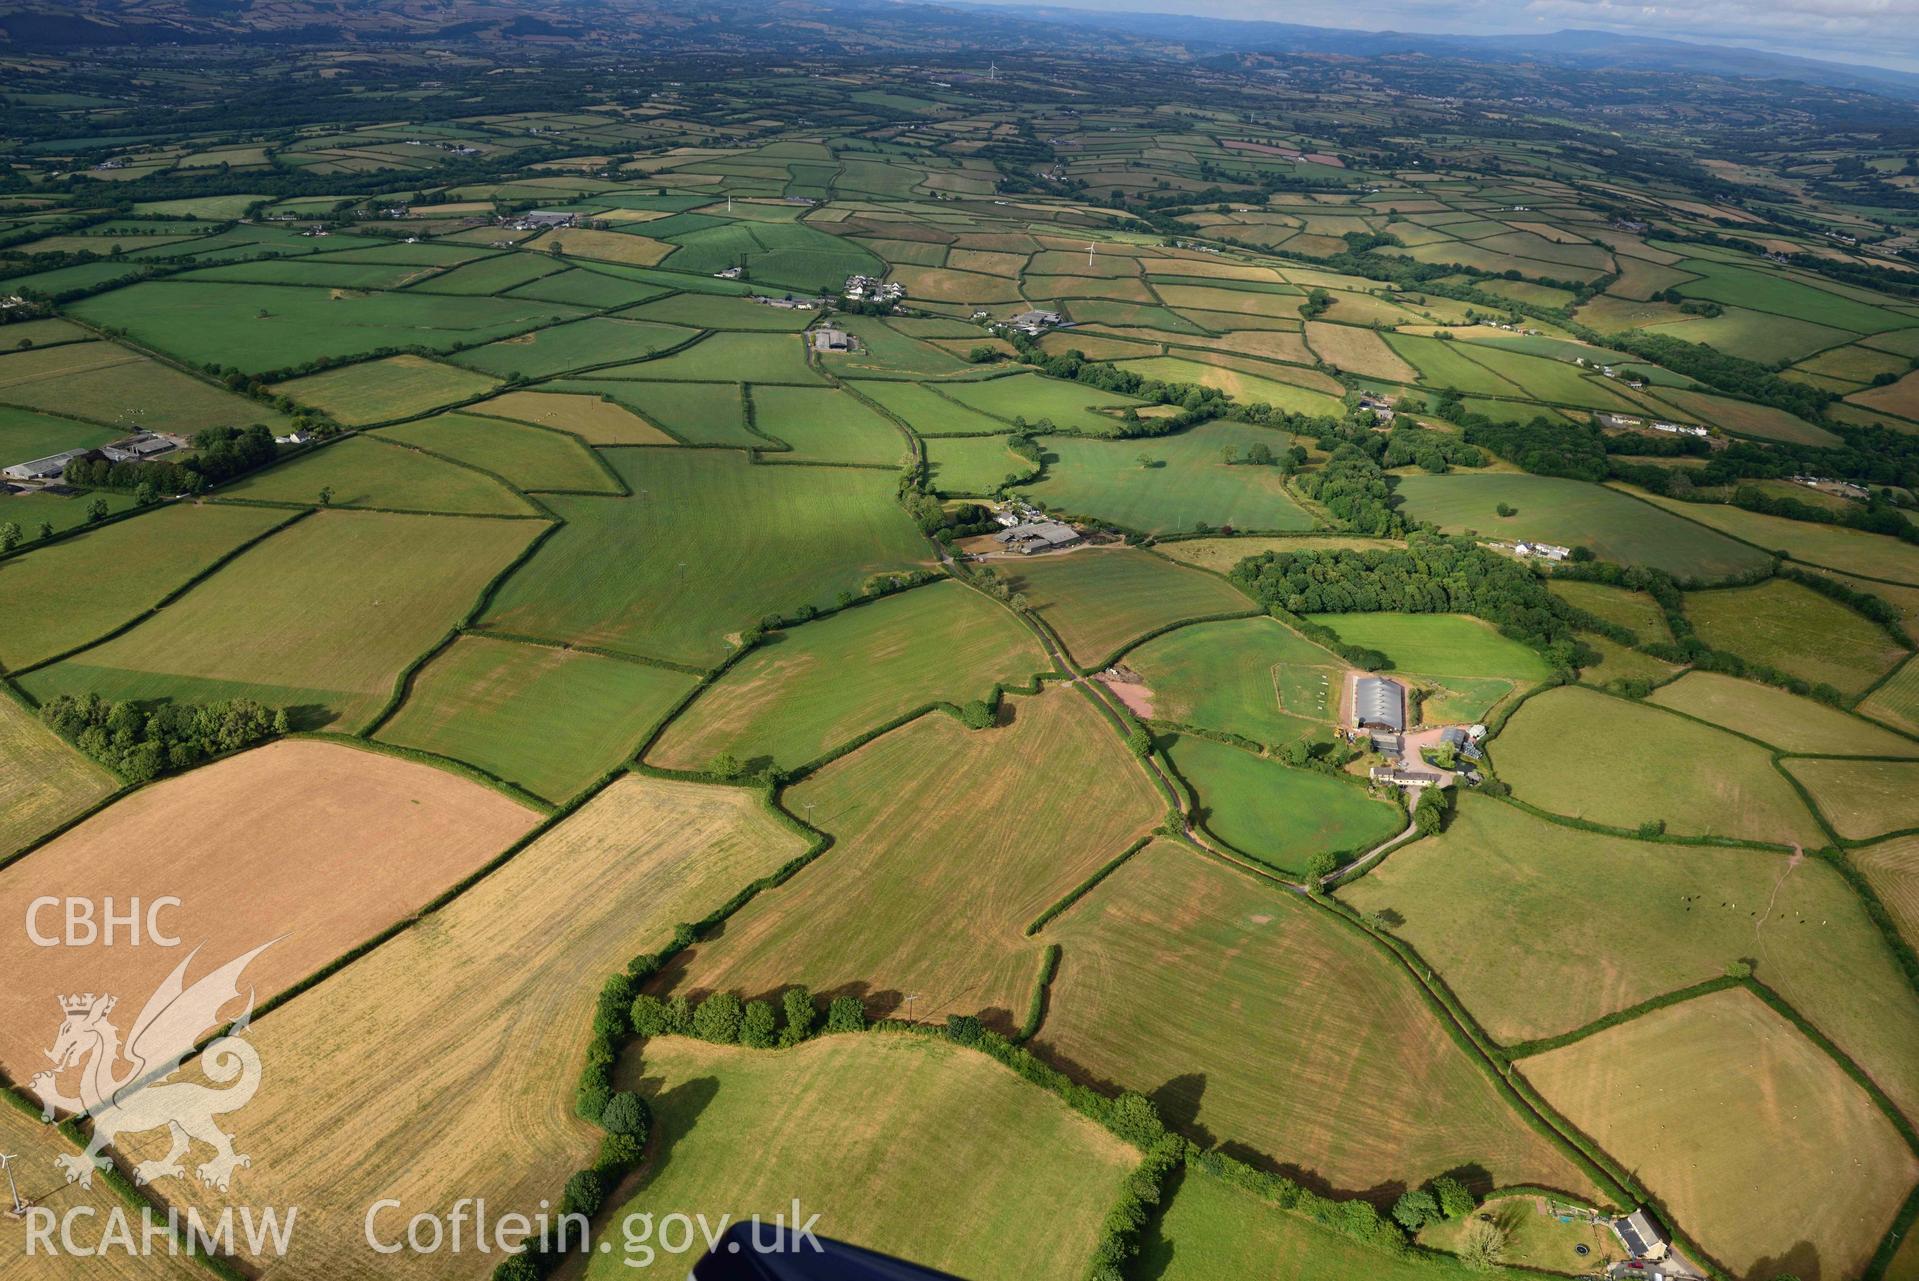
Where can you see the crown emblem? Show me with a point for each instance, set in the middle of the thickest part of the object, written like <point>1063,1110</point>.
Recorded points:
<point>84,1004</point>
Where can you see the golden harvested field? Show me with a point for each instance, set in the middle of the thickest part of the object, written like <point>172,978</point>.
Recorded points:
<point>1761,1146</point>
<point>1021,1181</point>
<point>606,246</point>
<point>442,1064</point>
<point>1862,799</point>
<point>1358,351</point>
<point>1901,398</point>
<point>1257,1021</point>
<point>596,421</point>
<point>1785,720</point>
<point>34,1147</point>
<point>45,782</point>
<point>1892,869</point>
<point>319,845</point>
<point>947,844</point>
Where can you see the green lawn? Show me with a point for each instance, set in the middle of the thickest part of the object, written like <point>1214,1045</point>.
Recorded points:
<point>1252,676</point>
<point>548,720</point>
<point>1188,482</point>
<point>1463,663</point>
<point>709,544</point>
<point>1571,513</point>
<point>1589,755</point>
<point>27,434</point>
<point>807,690</point>
<point>1020,1180</point>
<point>1276,814</point>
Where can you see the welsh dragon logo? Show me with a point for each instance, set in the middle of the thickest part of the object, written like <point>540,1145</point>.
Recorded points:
<point>139,1096</point>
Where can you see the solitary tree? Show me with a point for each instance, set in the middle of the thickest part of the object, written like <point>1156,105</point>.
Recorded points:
<point>1482,1245</point>
<point>9,536</point>
<point>46,529</point>
<point>326,495</point>
<point>96,511</point>
<point>797,1005</point>
<point>1413,1210</point>
<point>1455,1202</point>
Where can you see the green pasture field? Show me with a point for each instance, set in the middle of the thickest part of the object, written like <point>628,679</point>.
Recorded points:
<point>693,413</point>
<point>547,720</point>
<point>1636,611</point>
<point>580,287</point>
<point>1892,868</point>
<point>886,352</point>
<point>1035,397</point>
<point>717,311</point>
<point>802,692</point>
<point>1279,815</point>
<point>1655,1093</point>
<point>1466,665</point>
<point>826,425</point>
<point>1786,721</point>
<point>1445,365</point>
<point>320,619</point>
<point>1618,663</point>
<point>1100,598</point>
<point>581,344</point>
<point>785,255</point>
<point>1796,630</point>
<point>1251,676</point>
<point>927,412</point>
<point>1558,382</point>
<point>1756,335</point>
<point>1022,1182</point>
<point>1745,418</point>
<point>32,508</point>
<point>972,464</point>
<point>710,543</point>
<point>1636,764</point>
<point>45,781</point>
<point>875,917</point>
<point>223,324</point>
<point>131,390</point>
<point>85,586</point>
<point>492,275</point>
<point>1523,919</point>
<point>1221,554</point>
<point>580,410</point>
<point>1329,1060</point>
<point>526,456</point>
<point>382,390</point>
<point>1189,483</point>
<point>27,434</point>
<point>1770,292</point>
<point>1211,1229</point>
<point>1897,701</point>
<point>727,357</point>
<point>1826,546</point>
<point>314,273</point>
<point>1862,799</point>
<point>364,471</point>
<point>1574,512</point>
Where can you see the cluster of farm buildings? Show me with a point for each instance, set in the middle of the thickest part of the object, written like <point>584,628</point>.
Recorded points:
<point>139,447</point>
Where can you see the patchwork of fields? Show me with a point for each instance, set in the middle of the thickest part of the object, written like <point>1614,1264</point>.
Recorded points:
<point>494,556</point>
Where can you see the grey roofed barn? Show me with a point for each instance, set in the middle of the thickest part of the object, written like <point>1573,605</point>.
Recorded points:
<point>1379,703</point>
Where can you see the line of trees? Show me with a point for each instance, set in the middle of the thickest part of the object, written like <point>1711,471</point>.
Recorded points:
<point>223,453</point>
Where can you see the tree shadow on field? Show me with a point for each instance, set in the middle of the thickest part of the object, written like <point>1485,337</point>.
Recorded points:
<point>310,716</point>
<point>676,1114</point>
<point>1178,1104</point>
<point>1156,1249</point>
<point>1801,1262</point>
<point>1477,1179</point>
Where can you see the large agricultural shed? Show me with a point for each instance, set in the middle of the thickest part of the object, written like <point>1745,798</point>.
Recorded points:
<point>1379,703</point>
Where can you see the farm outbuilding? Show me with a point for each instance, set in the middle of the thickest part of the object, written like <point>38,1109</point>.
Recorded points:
<point>1379,703</point>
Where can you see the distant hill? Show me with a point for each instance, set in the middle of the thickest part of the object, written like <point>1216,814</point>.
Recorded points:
<point>840,27</point>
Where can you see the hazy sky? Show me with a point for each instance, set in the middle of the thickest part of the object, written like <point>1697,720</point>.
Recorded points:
<point>1884,32</point>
